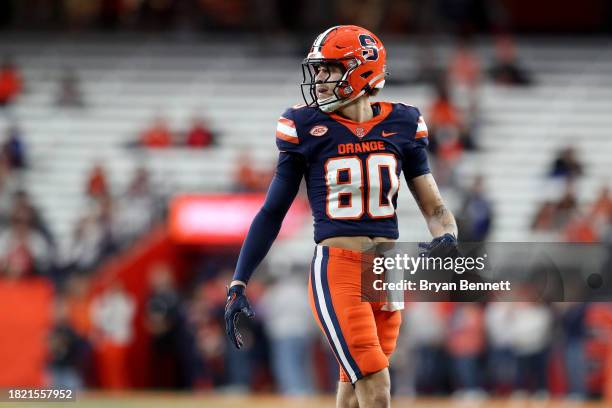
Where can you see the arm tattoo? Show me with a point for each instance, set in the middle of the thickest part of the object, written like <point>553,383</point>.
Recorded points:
<point>443,216</point>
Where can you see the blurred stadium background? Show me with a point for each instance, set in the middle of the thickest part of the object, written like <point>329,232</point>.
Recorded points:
<point>137,143</point>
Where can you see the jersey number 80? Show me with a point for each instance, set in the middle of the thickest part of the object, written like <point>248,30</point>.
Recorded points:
<point>347,198</point>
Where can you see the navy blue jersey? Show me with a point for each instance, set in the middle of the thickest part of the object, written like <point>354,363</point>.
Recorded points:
<point>353,169</point>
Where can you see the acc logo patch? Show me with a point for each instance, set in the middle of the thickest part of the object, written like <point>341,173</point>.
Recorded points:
<point>319,130</point>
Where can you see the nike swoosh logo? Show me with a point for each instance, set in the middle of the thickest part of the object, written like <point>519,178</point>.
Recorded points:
<point>387,134</point>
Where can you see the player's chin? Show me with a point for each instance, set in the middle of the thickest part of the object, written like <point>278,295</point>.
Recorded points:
<point>323,97</point>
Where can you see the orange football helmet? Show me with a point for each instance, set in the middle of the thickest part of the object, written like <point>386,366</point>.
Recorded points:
<point>361,56</point>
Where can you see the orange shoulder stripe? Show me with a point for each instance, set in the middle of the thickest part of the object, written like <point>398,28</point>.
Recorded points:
<point>287,138</point>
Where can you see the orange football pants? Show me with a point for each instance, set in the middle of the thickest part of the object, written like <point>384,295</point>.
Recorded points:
<point>361,335</point>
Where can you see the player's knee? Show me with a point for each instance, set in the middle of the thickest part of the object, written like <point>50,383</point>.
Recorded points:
<point>375,390</point>
<point>378,398</point>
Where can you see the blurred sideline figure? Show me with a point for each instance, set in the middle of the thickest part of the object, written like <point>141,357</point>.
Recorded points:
<point>112,313</point>
<point>286,317</point>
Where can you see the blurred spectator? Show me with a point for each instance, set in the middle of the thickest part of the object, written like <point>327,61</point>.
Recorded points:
<point>476,214</point>
<point>23,250</point>
<point>567,204</point>
<point>8,187</point>
<point>23,205</point>
<point>248,178</point>
<point>246,369</point>
<point>66,350</point>
<point>501,362</point>
<point>97,184</point>
<point>464,66</point>
<point>69,94</point>
<point>404,367</point>
<point>573,324</point>
<point>157,135</point>
<point>205,314</point>
<point>531,337</point>
<point>105,210</point>
<point>445,124</point>
<point>11,83</point>
<point>579,228</point>
<point>554,215</point>
<point>138,207</point>
<point>112,315</point>
<point>606,240</point>
<point>506,70</point>
<point>199,135</point>
<point>164,320</point>
<point>78,302</point>
<point>220,363</point>
<point>15,148</point>
<point>444,121</point>
<point>566,164</point>
<point>93,237</point>
<point>602,207</point>
<point>468,133</point>
<point>601,211</point>
<point>287,321</point>
<point>465,344</point>
<point>427,323</point>
<point>545,218</point>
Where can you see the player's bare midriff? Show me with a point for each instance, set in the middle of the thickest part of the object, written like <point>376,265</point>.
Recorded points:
<point>358,243</point>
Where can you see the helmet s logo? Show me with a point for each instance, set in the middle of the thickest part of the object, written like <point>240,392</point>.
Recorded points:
<point>318,130</point>
<point>370,52</point>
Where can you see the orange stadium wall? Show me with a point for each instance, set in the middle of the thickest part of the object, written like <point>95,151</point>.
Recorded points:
<point>24,330</point>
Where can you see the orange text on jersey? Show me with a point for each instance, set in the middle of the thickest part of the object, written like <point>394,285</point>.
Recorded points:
<point>361,147</point>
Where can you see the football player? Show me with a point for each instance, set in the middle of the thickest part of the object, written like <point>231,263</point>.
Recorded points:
<point>351,152</point>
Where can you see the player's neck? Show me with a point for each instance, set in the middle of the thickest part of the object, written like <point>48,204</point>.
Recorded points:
<point>358,111</point>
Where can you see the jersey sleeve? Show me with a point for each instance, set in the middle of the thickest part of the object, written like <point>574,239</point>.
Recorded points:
<point>416,162</point>
<point>287,134</point>
<point>267,223</point>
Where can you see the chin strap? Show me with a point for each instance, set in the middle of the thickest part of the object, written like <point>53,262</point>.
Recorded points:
<point>333,106</point>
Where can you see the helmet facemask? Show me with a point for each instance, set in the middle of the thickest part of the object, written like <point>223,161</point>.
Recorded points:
<point>342,90</point>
